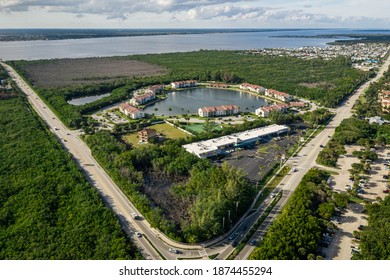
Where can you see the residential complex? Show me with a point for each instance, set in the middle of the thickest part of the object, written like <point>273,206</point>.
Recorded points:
<point>385,100</point>
<point>266,110</point>
<point>216,146</point>
<point>184,84</point>
<point>364,56</point>
<point>155,89</point>
<point>216,111</point>
<point>218,85</point>
<point>282,96</point>
<point>142,99</point>
<point>131,111</point>
<point>254,88</point>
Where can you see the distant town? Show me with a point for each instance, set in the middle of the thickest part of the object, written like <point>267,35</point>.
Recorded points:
<point>364,56</point>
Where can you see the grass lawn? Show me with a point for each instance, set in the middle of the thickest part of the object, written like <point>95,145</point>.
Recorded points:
<point>133,140</point>
<point>169,131</point>
<point>164,129</point>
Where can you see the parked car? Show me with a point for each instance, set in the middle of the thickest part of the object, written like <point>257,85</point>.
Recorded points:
<point>360,227</point>
<point>386,190</point>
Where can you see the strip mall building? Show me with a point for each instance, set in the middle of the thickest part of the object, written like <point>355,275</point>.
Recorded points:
<point>216,146</point>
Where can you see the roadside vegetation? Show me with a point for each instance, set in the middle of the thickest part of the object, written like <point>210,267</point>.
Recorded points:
<point>60,82</point>
<point>357,130</point>
<point>296,233</point>
<point>48,210</point>
<point>187,198</point>
<point>374,238</point>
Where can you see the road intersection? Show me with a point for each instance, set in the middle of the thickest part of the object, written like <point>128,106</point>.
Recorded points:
<point>154,244</point>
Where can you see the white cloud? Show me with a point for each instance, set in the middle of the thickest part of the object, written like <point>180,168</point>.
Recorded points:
<point>278,13</point>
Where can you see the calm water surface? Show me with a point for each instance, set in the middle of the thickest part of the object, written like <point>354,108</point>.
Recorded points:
<point>75,48</point>
<point>87,99</point>
<point>188,101</point>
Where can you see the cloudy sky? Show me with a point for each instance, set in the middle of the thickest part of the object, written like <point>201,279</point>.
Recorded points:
<point>194,13</point>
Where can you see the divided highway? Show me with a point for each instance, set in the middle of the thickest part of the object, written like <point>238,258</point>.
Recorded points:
<point>121,205</point>
<point>306,158</point>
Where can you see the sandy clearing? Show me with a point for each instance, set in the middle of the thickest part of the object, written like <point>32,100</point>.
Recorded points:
<point>340,248</point>
<point>66,72</point>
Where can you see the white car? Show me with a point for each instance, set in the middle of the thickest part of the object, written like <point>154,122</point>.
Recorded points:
<point>172,250</point>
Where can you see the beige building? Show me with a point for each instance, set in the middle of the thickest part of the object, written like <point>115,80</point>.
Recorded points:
<point>142,99</point>
<point>184,84</point>
<point>254,88</point>
<point>282,96</point>
<point>265,111</point>
<point>146,134</point>
<point>131,111</point>
<point>216,111</point>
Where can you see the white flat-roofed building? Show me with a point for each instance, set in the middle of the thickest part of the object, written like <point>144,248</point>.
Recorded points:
<point>216,146</point>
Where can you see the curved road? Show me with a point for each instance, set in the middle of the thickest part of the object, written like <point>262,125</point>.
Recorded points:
<point>121,205</point>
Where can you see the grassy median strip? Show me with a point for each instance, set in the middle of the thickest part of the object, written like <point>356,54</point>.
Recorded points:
<point>151,244</point>
<point>272,185</point>
<point>254,228</point>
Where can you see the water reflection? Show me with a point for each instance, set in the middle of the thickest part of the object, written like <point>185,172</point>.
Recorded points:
<point>188,101</point>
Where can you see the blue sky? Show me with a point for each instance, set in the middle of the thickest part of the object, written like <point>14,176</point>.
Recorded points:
<point>194,14</point>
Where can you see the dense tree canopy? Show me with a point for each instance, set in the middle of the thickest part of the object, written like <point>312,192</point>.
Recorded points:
<point>209,199</point>
<point>328,82</point>
<point>375,238</point>
<point>48,210</point>
<point>296,233</point>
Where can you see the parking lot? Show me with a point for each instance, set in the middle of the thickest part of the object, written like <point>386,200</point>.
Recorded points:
<point>260,159</point>
<point>343,243</point>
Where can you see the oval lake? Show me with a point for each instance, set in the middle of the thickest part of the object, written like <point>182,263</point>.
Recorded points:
<point>188,101</point>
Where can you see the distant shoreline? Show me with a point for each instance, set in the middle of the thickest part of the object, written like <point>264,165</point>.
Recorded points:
<point>9,35</point>
<point>342,39</point>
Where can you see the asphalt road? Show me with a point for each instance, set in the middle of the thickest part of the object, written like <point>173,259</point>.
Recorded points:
<point>117,201</point>
<point>306,158</point>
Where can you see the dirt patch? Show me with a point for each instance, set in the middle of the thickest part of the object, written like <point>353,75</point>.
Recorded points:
<point>70,72</point>
<point>158,189</point>
<point>324,85</point>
